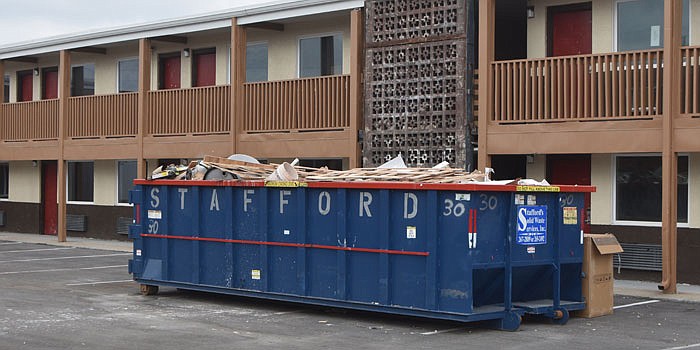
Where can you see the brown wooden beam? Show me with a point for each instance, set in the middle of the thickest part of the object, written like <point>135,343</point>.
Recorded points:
<point>267,26</point>
<point>63,94</point>
<point>356,53</point>
<point>91,49</point>
<point>178,39</point>
<point>25,59</point>
<point>238,63</point>
<point>669,158</point>
<point>2,86</point>
<point>143,102</point>
<point>487,20</point>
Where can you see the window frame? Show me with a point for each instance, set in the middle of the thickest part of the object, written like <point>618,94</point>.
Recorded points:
<point>7,87</point>
<point>138,71</point>
<point>70,83</point>
<point>116,187</point>
<point>256,43</point>
<point>319,35</point>
<point>68,183</point>
<point>617,222</point>
<point>615,36</point>
<point>8,181</point>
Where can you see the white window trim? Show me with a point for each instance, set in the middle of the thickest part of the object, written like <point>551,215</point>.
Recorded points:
<point>617,222</point>
<point>690,24</point>
<point>318,35</point>
<point>8,183</point>
<point>116,184</point>
<point>256,43</point>
<point>138,71</point>
<point>93,183</point>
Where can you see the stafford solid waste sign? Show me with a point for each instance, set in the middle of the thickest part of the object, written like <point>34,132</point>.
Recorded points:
<point>532,225</point>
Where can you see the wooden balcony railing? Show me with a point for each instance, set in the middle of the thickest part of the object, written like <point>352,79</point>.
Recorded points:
<point>625,85</point>
<point>29,121</point>
<point>202,110</point>
<point>690,81</point>
<point>307,104</point>
<point>103,116</point>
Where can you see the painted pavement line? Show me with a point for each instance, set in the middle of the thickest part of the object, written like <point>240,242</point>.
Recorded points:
<point>684,347</point>
<point>443,331</point>
<point>11,243</point>
<point>57,270</point>
<point>101,282</point>
<point>34,250</point>
<point>636,304</point>
<point>65,257</point>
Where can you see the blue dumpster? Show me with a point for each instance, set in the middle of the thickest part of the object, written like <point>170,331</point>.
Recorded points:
<point>463,252</point>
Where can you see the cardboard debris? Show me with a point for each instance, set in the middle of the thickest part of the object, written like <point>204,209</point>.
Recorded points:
<point>216,168</point>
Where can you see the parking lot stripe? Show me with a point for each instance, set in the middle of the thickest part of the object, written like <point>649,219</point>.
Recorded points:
<point>56,270</point>
<point>34,250</point>
<point>10,243</point>
<point>65,257</point>
<point>684,347</point>
<point>636,304</point>
<point>102,282</point>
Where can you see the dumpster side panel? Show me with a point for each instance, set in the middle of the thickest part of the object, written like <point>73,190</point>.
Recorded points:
<point>365,222</point>
<point>325,225</point>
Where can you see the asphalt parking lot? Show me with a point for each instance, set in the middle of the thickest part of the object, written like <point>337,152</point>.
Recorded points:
<point>77,298</point>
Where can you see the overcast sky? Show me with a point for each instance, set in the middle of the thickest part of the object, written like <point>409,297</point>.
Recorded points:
<point>24,20</point>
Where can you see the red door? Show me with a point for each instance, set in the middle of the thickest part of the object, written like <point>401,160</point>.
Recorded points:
<point>205,69</point>
<point>572,170</point>
<point>50,197</point>
<point>170,72</point>
<point>49,85</point>
<point>570,30</point>
<point>26,87</point>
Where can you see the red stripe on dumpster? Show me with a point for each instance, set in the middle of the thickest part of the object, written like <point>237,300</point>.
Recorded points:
<point>293,245</point>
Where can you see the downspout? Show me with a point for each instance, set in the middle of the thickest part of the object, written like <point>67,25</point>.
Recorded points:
<point>471,35</point>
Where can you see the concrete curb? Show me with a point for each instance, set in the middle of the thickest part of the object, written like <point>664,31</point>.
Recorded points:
<point>77,242</point>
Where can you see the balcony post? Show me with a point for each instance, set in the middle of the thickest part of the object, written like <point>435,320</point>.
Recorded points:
<point>356,122</point>
<point>63,95</point>
<point>143,102</point>
<point>237,69</point>
<point>487,19</point>
<point>669,159</point>
<point>2,89</point>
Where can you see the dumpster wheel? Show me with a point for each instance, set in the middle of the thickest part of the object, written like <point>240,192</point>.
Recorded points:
<point>561,316</point>
<point>147,289</point>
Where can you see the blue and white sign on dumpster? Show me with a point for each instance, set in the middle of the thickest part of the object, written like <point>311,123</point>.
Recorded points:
<point>532,225</point>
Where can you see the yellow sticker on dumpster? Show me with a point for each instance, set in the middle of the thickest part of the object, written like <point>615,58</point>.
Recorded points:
<point>570,216</point>
<point>255,274</point>
<point>537,189</point>
<point>286,184</point>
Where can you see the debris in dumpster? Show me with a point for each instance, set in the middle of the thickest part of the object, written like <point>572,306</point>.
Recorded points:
<point>172,171</point>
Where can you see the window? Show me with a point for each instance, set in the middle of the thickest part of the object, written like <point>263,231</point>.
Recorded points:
<point>126,173</point>
<point>6,91</point>
<point>320,56</point>
<point>128,75</point>
<point>256,62</point>
<point>204,67</point>
<point>4,180</point>
<point>81,181</point>
<point>638,188</point>
<point>640,24</point>
<point>82,80</point>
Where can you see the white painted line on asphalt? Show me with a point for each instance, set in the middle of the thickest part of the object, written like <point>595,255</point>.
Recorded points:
<point>636,304</point>
<point>11,243</point>
<point>64,257</point>
<point>57,270</point>
<point>34,250</point>
<point>443,331</point>
<point>102,282</point>
<point>684,347</point>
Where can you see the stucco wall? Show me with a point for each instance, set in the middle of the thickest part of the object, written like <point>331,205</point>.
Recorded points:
<point>601,200</point>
